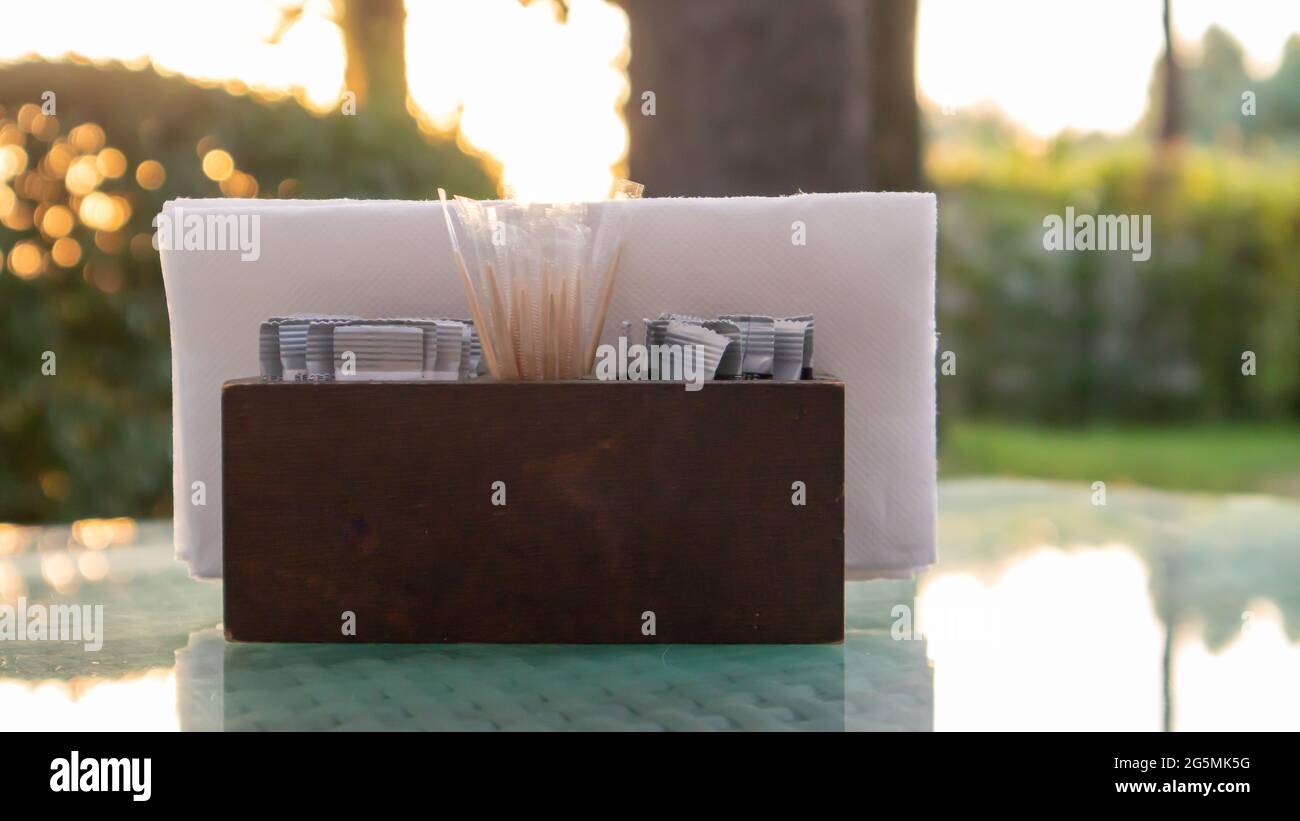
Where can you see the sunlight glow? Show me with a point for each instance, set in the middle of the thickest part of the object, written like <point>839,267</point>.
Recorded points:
<point>207,42</point>
<point>144,703</point>
<point>1070,640</point>
<point>1250,685</point>
<point>540,97</point>
<point>1061,640</point>
<point>1077,64</point>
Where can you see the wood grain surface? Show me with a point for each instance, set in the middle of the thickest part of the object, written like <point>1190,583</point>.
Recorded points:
<point>622,498</point>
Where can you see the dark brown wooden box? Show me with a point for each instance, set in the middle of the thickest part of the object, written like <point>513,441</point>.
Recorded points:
<point>621,499</point>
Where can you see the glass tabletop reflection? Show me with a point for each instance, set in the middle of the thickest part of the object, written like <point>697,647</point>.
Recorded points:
<point>1155,611</point>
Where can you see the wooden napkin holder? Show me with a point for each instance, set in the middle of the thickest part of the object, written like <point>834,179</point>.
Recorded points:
<point>565,512</point>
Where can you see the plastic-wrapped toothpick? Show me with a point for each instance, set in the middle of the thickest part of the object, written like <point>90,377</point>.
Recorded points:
<point>538,279</point>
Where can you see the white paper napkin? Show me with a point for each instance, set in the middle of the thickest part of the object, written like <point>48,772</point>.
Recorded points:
<point>865,269</point>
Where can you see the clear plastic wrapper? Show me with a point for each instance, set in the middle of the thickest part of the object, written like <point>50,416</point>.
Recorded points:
<point>538,279</point>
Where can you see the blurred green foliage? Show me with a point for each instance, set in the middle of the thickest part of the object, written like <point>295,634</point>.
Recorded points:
<point>1222,458</point>
<point>1083,336</point>
<point>94,439</point>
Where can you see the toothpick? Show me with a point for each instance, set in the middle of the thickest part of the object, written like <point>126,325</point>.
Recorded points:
<point>547,320</point>
<point>562,338</point>
<point>577,323</point>
<point>484,336</point>
<point>552,360</point>
<point>501,326</point>
<point>602,305</point>
<point>521,315</point>
<point>516,335</point>
<point>471,294</point>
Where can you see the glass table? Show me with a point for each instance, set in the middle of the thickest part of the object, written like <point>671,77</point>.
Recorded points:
<point>1154,611</point>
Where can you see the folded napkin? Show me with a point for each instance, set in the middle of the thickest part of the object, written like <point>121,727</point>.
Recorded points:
<point>862,264</point>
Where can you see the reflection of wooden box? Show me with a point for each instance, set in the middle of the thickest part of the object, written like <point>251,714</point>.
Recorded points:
<point>621,499</point>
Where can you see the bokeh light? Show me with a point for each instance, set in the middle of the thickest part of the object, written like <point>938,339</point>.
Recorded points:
<point>104,274</point>
<point>87,138</point>
<point>239,184</point>
<point>218,165</point>
<point>83,175</point>
<point>110,242</point>
<point>98,534</point>
<point>93,565</point>
<point>12,539</point>
<point>60,571</point>
<point>18,217</point>
<point>12,585</point>
<point>66,252</point>
<point>58,221</point>
<point>54,484</point>
<point>58,158</point>
<point>13,161</point>
<point>26,259</point>
<point>150,175</point>
<point>111,163</point>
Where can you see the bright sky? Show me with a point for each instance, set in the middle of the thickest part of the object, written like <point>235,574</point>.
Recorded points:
<point>1076,63</point>
<point>543,98</point>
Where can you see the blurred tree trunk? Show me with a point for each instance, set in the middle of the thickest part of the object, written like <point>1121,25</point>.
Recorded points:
<point>772,97</point>
<point>1171,107</point>
<point>374,37</point>
<point>895,117</point>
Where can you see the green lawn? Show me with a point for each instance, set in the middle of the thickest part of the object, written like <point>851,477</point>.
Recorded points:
<point>1188,457</point>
